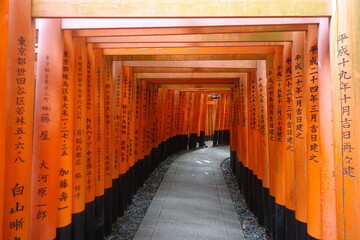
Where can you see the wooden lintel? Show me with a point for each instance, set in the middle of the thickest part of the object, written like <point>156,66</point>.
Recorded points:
<point>193,50</point>
<point>174,70</point>
<point>188,75</point>
<point>229,37</point>
<point>205,91</point>
<point>197,86</point>
<point>183,57</point>
<point>179,8</point>
<point>194,64</point>
<point>190,81</point>
<point>118,23</point>
<point>183,44</point>
<point>185,30</point>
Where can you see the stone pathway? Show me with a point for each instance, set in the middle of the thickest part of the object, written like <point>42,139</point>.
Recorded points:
<point>193,201</point>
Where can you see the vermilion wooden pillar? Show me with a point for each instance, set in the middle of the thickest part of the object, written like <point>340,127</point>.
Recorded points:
<point>17,92</point>
<point>313,119</point>
<point>79,150</point>
<point>328,202</point>
<point>201,123</point>
<point>289,144</point>
<point>252,142</point>
<point>176,120</point>
<point>345,62</point>
<point>46,151</point>
<point>300,140</point>
<point>279,143</point>
<point>66,141</point>
<point>271,139</point>
<point>116,129</point>
<point>90,183</point>
<point>244,123</point>
<point>4,37</point>
<point>99,121</point>
<point>263,141</point>
<point>108,157</point>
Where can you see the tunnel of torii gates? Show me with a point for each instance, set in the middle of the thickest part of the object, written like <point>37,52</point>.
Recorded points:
<point>95,95</point>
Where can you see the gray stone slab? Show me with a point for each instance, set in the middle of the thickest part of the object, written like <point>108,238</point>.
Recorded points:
<point>152,214</point>
<point>195,177</point>
<point>193,185</point>
<point>224,194</point>
<point>193,201</point>
<point>184,231</point>
<point>232,224</point>
<point>144,233</point>
<point>203,214</point>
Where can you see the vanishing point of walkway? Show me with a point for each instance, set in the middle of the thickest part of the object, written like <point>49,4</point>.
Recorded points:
<point>192,201</point>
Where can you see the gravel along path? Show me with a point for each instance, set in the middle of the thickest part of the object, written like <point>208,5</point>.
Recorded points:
<point>126,226</point>
<point>249,223</point>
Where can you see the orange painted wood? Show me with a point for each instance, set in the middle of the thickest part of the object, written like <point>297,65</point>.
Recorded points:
<point>244,121</point>
<point>142,117</point>
<point>79,121</point>
<point>263,123</point>
<point>234,118</point>
<point>120,142</point>
<point>224,107</point>
<point>101,23</point>
<point>158,111</point>
<point>99,121</point>
<point>192,113</point>
<point>108,118</point>
<point>186,113</point>
<point>227,116</point>
<point>300,126</point>
<point>279,127</point>
<point>217,113</point>
<point>131,116</point>
<point>116,120</point>
<point>4,40</point>
<point>176,113</point>
<point>200,124</point>
<point>91,127</point>
<point>182,102</point>
<point>171,113</point>
<point>114,50</point>
<point>313,148</point>
<point>66,144</point>
<point>184,30</point>
<point>258,143</point>
<point>17,118</point>
<point>137,129</point>
<point>252,133</point>
<point>345,78</point>
<point>328,201</point>
<point>289,129</point>
<point>46,138</point>
<point>125,118</point>
<point>271,122</point>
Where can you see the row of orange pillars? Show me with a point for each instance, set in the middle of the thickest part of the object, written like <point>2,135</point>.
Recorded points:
<point>85,135</point>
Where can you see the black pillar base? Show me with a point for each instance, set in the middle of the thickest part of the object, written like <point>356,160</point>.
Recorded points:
<point>63,233</point>
<point>192,140</point>
<point>100,217</point>
<point>216,138</point>
<point>221,137</point>
<point>108,211</point>
<point>122,195</point>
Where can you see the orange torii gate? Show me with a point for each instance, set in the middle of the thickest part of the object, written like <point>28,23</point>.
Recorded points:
<point>294,141</point>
